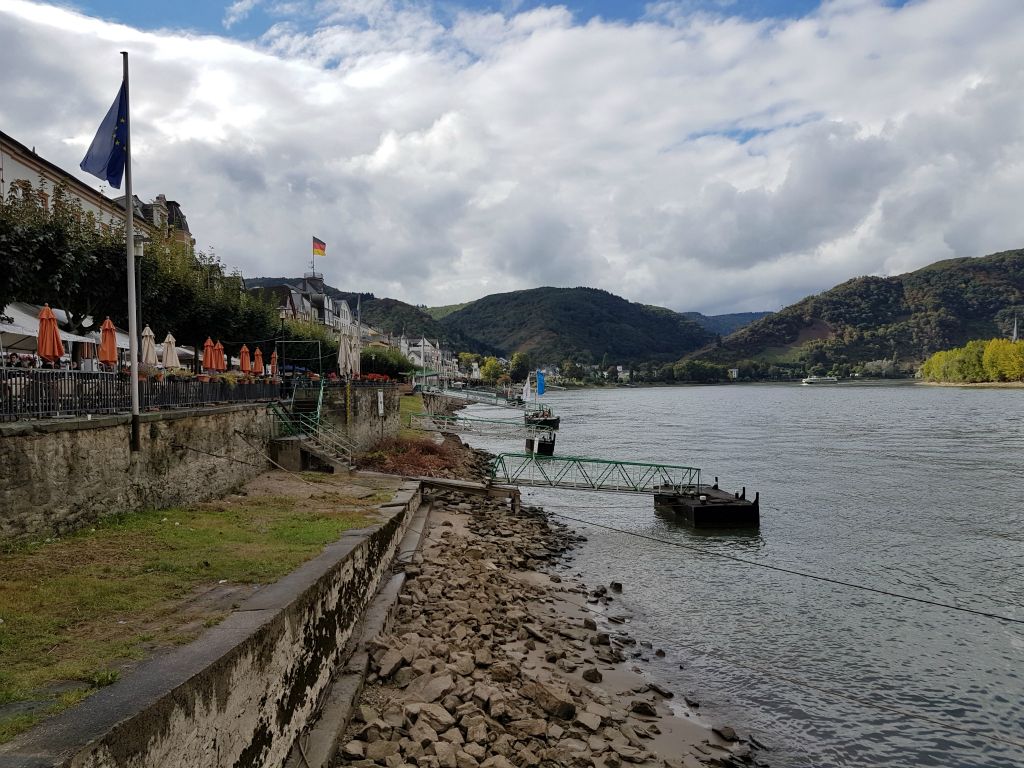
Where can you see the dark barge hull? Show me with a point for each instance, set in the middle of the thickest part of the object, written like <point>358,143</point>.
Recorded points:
<point>548,423</point>
<point>719,509</point>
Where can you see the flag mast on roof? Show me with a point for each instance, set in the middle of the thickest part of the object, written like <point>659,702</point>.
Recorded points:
<point>109,158</point>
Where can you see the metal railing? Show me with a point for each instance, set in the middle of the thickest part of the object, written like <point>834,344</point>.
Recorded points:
<point>592,474</point>
<point>307,426</point>
<point>465,425</point>
<point>35,393</point>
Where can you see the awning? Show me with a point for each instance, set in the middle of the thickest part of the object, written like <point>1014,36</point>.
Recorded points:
<point>20,334</point>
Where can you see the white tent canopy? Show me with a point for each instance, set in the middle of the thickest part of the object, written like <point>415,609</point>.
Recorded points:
<point>21,333</point>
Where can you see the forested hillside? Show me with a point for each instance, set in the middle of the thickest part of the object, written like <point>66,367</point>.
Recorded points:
<point>591,325</point>
<point>908,316</point>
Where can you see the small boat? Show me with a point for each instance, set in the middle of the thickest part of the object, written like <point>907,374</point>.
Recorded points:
<point>819,380</point>
<point>542,418</point>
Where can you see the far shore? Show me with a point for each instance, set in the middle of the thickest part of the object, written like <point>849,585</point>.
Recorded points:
<point>976,385</point>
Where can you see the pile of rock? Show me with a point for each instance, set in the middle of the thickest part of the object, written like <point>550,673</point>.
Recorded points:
<point>482,670</point>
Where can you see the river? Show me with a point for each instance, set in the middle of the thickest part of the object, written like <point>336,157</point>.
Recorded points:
<point>903,488</point>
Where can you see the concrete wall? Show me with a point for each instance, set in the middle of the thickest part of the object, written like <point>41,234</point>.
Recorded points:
<point>58,476</point>
<point>239,696</point>
<point>353,409</point>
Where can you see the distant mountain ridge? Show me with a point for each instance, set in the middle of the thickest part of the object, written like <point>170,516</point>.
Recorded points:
<point>908,316</point>
<point>593,325</point>
<point>588,324</point>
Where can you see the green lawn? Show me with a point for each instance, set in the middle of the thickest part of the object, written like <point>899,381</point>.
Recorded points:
<point>76,608</point>
<point>408,405</point>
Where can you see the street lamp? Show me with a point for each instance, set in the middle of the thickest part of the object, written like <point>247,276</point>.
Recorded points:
<point>139,246</point>
<point>282,313</point>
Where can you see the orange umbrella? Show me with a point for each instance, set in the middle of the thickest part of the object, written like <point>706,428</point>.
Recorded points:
<point>49,346</point>
<point>273,363</point>
<point>108,343</point>
<point>243,359</point>
<point>218,355</point>
<point>257,363</point>
<point>209,356</point>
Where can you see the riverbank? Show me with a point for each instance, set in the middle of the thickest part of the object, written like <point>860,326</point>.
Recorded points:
<point>976,384</point>
<point>494,661</point>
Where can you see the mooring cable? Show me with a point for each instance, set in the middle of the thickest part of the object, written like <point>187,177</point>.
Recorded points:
<point>803,574</point>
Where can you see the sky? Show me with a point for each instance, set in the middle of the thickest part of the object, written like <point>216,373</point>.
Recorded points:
<point>709,155</point>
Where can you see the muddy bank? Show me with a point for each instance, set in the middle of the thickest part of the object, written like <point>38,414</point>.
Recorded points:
<point>492,662</point>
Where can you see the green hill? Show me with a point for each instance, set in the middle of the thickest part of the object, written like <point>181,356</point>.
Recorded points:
<point>553,323</point>
<point>439,313</point>
<point>907,316</point>
<point>725,324</point>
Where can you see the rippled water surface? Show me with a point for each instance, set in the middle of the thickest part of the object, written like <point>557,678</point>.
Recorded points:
<point>909,489</point>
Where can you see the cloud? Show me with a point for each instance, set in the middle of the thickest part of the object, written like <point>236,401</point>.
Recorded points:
<point>238,11</point>
<point>688,158</point>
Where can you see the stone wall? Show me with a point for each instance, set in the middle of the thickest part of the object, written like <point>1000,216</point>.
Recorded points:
<point>241,694</point>
<point>353,408</point>
<point>56,476</point>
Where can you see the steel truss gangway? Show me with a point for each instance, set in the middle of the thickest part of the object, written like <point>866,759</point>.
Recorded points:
<point>583,474</point>
<point>469,395</point>
<point>465,425</point>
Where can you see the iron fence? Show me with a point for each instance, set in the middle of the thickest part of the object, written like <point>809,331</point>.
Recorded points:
<point>33,393</point>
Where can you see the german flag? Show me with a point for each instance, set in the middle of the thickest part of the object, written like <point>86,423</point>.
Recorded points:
<point>319,247</point>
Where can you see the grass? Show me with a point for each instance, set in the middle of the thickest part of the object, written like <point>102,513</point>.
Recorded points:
<point>76,608</point>
<point>407,406</point>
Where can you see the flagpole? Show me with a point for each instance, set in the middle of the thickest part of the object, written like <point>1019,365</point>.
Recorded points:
<point>129,232</point>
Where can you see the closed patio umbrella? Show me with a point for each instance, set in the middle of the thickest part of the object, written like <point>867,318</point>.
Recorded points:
<point>48,344</point>
<point>243,359</point>
<point>218,356</point>
<point>257,362</point>
<point>273,363</point>
<point>209,355</point>
<point>149,348</point>
<point>108,343</point>
<point>171,353</point>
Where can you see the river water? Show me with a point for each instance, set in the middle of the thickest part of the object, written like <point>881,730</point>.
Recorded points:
<point>904,488</point>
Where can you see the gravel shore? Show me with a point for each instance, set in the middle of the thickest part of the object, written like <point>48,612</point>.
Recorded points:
<point>494,661</point>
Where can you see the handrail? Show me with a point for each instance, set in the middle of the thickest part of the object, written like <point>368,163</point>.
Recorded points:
<point>469,425</point>
<point>589,474</point>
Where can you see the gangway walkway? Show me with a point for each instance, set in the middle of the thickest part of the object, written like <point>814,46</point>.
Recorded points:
<point>466,425</point>
<point>577,473</point>
<point>485,398</point>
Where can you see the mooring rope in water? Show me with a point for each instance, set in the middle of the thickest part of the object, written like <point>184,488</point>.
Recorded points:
<point>803,574</point>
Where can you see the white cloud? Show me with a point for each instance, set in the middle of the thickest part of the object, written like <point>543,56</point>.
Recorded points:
<point>238,11</point>
<point>689,159</point>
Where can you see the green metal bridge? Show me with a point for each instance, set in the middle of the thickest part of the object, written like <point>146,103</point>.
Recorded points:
<point>466,425</point>
<point>582,474</point>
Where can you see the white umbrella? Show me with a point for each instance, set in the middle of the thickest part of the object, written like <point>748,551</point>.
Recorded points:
<point>170,353</point>
<point>149,348</point>
<point>343,353</point>
<point>354,352</point>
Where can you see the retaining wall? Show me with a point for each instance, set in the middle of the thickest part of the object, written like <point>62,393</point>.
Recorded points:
<point>239,696</point>
<point>354,408</point>
<point>56,476</point>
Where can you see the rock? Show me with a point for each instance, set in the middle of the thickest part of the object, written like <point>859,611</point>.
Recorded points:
<point>436,716</point>
<point>482,657</point>
<point>665,693</point>
<point>589,623</point>
<point>422,733</point>
<point>725,732</point>
<point>497,761</point>
<point>354,748</point>
<point>504,672</point>
<point>536,634</point>
<point>476,731</point>
<point>464,760</point>
<point>429,687</point>
<point>592,675</point>
<point>642,708</point>
<point>601,638</point>
<point>527,757</point>
<point>552,700</point>
<point>615,586</point>
<point>476,751</point>
<point>462,663</point>
<point>528,727</point>
<point>446,754</point>
<point>454,736</point>
<point>588,720</point>
<point>378,750</point>
<point>390,663</point>
<point>364,714</point>
<point>659,653</point>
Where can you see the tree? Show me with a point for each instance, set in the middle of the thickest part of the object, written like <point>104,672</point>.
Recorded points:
<point>491,370</point>
<point>385,360</point>
<point>519,368</point>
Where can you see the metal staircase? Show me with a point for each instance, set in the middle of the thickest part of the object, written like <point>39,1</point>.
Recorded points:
<point>306,423</point>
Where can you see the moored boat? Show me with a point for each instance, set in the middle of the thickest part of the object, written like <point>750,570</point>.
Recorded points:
<point>819,380</point>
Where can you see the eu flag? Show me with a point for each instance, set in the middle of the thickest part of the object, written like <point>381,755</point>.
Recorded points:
<point>105,158</point>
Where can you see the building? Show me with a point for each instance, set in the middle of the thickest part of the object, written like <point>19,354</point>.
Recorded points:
<point>23,171</point>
